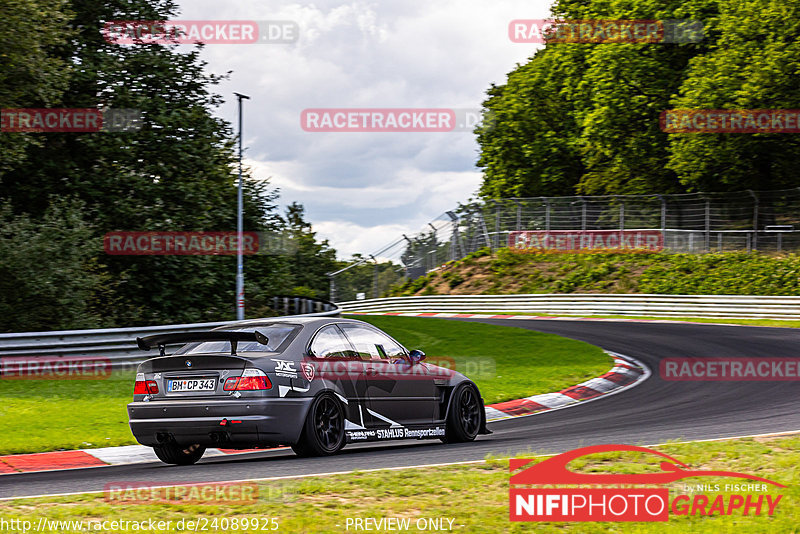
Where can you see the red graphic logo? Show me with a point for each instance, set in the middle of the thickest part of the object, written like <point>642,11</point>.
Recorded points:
<point>623,503</point>
<point>308,371</point>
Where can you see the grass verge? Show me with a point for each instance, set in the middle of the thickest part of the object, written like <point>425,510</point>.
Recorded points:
<point>473,496</point>
<point>778,323</point>
<point>506,363</point>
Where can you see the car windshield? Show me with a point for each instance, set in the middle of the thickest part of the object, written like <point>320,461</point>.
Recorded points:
<point>277,334</point>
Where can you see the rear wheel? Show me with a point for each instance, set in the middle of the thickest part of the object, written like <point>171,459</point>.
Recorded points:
<point>172,453</point>
<point>464,418</point>
<point>323,431</point>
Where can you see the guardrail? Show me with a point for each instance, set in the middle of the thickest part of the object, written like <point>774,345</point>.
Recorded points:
<point>119,344</point>
<point>713,306</point>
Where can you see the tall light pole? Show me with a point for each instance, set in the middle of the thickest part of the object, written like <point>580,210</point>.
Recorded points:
<point>239,231</point>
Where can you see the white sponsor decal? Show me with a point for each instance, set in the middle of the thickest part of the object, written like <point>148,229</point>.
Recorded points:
<point>285,369</point>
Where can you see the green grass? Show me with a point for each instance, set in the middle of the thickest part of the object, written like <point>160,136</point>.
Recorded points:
<point>65,414</point>
<point>779,323</point>
<point>73,414</point>
<point>475,496</point>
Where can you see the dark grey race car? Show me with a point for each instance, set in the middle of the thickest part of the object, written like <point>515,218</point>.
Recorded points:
<point>312,383</point>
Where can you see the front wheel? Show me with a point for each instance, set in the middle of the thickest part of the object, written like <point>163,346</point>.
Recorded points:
<point>323,431</point>
<point>464,418</point>
<point>172,453</point>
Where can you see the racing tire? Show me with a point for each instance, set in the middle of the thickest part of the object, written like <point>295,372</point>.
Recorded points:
<point>464,417</point>
<point>172,453</point>
<point>323,431</point>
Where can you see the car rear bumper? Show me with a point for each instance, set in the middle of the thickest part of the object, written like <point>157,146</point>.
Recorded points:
<point>238,423</point>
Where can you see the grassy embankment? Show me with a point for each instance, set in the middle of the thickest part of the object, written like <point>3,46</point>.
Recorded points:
<point>512,272</point>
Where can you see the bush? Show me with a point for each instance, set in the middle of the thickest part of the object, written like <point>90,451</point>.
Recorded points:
<point>50,274</point>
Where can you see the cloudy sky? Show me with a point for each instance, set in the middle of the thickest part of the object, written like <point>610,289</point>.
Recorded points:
<point>362,190</point>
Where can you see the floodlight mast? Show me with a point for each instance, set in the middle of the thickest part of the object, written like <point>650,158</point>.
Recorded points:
<point>239,230</point>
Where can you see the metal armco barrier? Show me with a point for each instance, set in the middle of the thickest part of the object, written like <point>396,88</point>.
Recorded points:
<point>719,306</point>
<point>119,344</point>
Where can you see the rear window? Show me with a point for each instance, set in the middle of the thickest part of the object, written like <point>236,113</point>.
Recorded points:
<point>279,336</point>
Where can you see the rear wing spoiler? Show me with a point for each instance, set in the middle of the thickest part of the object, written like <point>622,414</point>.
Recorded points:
<point>161,340</point>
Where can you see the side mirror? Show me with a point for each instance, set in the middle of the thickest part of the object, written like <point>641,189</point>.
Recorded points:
<point>416,356</point>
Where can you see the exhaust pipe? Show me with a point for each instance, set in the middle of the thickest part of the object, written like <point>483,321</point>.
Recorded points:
<point>164,437</point>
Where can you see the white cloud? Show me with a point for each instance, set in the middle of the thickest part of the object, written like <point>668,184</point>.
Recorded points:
<point>363,190</point>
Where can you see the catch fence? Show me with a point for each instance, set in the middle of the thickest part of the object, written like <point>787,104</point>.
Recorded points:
<point>694,222</point>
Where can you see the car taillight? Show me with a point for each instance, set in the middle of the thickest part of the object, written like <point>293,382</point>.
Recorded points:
<point>230,384</point>
<point>251,380</point>
<point>144,387</point>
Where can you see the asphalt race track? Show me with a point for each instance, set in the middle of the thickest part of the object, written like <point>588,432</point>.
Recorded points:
<point>650,413</point>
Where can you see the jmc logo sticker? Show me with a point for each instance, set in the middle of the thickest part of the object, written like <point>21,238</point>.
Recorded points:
<point>624,497</point>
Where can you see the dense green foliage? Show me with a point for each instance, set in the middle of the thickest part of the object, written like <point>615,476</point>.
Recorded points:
<point>507,272</point>
<point>177,173</point>
<point>584,118</point>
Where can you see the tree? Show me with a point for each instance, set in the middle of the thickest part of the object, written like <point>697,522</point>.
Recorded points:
<point>583,117</point>
<point>176,173</point>
<point>51,275</point>
<point>311,260</point>
<point>753,64</point>
<point>31,74</point>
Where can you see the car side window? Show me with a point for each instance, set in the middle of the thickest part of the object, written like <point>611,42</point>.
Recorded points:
<point>371,344</point>
<point>329,342</point>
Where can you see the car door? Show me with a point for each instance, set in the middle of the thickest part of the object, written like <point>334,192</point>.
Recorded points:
<point>398,392</point>
<point>338,363</point>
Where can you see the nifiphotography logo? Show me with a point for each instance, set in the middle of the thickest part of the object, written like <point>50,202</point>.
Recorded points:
<point>628,497</point>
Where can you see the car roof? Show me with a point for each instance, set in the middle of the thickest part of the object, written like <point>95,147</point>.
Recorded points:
<point>304,321</point>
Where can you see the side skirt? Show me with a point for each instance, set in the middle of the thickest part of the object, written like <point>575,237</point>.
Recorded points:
<point>427,431</point>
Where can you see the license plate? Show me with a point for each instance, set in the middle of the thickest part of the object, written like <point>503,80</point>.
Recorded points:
<point>191,384</point>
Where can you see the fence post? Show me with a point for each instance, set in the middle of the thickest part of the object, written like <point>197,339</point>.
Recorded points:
<point>583,214</point>
<point>484,229</point>
<point>332,295</point>
<point>496,224</point>
<point>547,214</point>
<point>374,278</point>
<point>454,236</point>
<point>435,247</point>
<point>708,225</point>
<point>754,245</point>
<point>622,215</point>
<point>663,213</point>
<point>519,215</point>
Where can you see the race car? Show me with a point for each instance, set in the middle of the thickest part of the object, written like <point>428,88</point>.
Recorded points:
<point>314,383</point>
